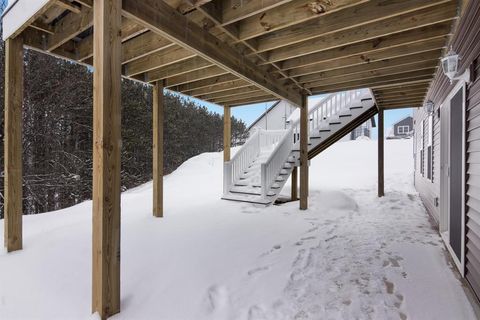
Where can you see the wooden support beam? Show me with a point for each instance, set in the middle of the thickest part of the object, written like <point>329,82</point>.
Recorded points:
<point>417,19</point>
<point>227,133</point>
<point>304,153</point>
<point>106,158</point>
<point>13,208</point>
<point>381,156</point>
<point>294,189</point>
<point>157,16</point>
<point>157,146</point>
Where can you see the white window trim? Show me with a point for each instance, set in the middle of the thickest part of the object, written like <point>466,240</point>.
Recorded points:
<point>403,131</point>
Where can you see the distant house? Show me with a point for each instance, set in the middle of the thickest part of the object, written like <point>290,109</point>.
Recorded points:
<point>402,129</point>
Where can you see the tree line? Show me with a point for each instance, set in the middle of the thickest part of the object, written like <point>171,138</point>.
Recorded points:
<point>58,133</point>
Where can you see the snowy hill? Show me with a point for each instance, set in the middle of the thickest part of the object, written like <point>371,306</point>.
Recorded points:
<point>351,255</point>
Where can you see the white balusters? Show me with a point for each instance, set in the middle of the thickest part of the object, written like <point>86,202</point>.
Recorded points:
<point>270,169</point>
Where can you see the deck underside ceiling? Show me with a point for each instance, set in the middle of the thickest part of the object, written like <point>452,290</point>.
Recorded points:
<point>233,52</point>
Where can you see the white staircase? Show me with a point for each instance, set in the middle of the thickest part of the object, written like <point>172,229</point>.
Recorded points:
<point>260,169</point>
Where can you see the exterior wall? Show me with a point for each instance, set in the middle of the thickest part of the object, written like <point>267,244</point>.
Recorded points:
<point>405,122</point>
<point>465,42</point>
<point>274,118</point>
<point>429,189</point>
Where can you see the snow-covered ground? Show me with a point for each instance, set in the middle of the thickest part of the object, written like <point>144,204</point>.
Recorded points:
<point>350,256</point>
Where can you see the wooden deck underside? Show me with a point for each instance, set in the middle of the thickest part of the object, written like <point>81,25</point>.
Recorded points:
<point>233,52</point>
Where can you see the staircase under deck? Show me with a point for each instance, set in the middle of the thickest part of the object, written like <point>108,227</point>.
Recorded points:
<point>330,121</point>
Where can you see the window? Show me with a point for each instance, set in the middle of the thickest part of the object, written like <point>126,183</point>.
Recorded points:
<point>422,147</point>
<point>430,148</point>
<point>403,129</point>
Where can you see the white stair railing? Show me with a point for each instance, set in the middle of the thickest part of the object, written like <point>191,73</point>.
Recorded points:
<point>330,106</point>
<point>258,141</point>
<point>270,169</point>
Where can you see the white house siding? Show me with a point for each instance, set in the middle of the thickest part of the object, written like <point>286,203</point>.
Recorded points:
<point>274,118</point>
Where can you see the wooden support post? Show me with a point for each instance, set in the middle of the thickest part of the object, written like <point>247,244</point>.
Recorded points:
<point>106,157</point>
<point>381,155</point>
<point>158,149</point>
<point>13,208</point>
<point>294,191</point>
<point>227,133</point>
<point>304,154</point>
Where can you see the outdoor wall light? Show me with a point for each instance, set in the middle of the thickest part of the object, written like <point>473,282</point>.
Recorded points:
<point>429,106</point>
<point>450,67</point>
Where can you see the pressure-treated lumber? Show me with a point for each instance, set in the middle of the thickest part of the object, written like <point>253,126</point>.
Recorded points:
<point>381,156</point>
<point>178,68</point>
<point>291,13</point>
<point>364,12</point>
<point>158,17</point>
<point>227,133</point>
<point>294,189</point>
<point>106,158</point>
<point>396,42</point>
<point>373,30</point>
<point>157,147</point>
<point>304,154</point>
<point>13,143</point>
<point>70,26</point>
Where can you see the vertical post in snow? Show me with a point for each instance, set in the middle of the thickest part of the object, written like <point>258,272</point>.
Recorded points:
<point>381,155</point>
<point>294,191</point>
<point>13,208</point>
<point>227,133</point>
<point>106,157</point>
<point>157,146</point>
<point>304,154</point>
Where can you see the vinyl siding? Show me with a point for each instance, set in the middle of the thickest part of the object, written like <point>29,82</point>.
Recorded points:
<point>466,42</point>
<point>429,190</point>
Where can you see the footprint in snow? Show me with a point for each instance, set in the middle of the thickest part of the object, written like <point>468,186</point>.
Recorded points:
<point>217,299</point>
<point>257,270</point>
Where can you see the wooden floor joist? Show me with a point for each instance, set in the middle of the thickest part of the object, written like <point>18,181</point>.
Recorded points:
<point>106,158</point>
<point>156,15</point>
<point>13,199</point>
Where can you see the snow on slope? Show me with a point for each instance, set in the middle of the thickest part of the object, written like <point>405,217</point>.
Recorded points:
<point>350,255</point>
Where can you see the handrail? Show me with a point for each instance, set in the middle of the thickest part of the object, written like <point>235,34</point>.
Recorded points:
<point>274,164</point>
<point>261,139</point>
<point>327,108</point>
